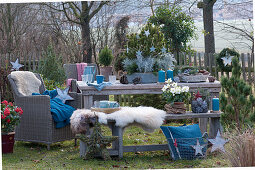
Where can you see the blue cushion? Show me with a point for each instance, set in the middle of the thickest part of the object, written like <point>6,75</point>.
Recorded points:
<point>184,137</point>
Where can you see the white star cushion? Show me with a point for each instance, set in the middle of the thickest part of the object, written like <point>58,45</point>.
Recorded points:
<point>63,94</point>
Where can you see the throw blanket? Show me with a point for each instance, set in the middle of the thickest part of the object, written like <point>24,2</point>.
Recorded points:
<point>26,82</point>
<point>148,118</point>
<point>61,112</point>
<point>100,86</point>
<point>80,70</point>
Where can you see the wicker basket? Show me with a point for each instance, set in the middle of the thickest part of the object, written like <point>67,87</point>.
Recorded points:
<point>181,148</point>
<point>105,110</point>
<point>193,78</point>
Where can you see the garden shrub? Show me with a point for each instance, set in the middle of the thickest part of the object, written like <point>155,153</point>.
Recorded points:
<point>178,27</point>
<point>236,100</point>
<point>51,67</point>
<point>51,84</point>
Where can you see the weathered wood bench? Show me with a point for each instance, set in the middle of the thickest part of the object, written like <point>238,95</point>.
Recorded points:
<point>118,149</point>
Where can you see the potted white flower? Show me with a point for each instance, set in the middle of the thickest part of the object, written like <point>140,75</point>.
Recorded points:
<point>176,97</point>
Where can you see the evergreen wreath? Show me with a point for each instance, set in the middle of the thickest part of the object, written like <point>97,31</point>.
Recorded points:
<point>220,63</point>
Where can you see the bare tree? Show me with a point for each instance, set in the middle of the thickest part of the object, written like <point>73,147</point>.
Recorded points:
<point>81,13</point>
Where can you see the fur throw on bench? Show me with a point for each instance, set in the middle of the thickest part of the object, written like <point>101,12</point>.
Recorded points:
<point>147,118</point>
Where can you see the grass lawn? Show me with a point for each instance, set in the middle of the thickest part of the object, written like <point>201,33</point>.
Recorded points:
<point>64,155</point>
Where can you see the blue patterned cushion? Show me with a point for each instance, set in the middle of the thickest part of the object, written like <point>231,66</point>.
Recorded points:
<point>180,140</point>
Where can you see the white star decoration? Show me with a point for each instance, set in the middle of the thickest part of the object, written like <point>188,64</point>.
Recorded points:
<point>218,143</point>
<point>198,148</point>
<point>227,60</point>
<point>63,94</point>
<point>163,50</point>
<point>15,65</point>
<point>138,53</point>
<point>147,33</point>
<point>152,49</point>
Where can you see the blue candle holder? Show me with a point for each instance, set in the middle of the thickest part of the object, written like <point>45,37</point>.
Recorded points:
<point>215,104</point>
<point>161,76</point>
<point>170,74</point>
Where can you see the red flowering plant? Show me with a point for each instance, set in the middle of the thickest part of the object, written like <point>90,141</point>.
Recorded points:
<point>10,116</point>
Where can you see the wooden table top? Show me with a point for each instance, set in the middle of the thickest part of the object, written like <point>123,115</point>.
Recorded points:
<point>118,86</point>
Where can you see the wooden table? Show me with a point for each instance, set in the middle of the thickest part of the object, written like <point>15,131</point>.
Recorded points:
<point>214,118</point>
<point>117,89</point>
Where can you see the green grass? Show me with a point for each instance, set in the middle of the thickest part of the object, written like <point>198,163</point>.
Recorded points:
<point>64,155</point>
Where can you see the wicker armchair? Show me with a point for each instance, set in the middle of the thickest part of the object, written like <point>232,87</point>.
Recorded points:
<point>37,124</point>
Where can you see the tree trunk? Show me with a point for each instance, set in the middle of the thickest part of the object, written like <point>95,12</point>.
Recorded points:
<point>208,26</point>
<point>86,45</point>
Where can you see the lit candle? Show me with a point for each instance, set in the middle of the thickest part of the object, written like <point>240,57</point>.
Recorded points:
<point>170,74</point>
<point>215,104</point>
<point>161,76</point>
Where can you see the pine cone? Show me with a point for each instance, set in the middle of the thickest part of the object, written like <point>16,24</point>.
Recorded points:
<point>123,79</point>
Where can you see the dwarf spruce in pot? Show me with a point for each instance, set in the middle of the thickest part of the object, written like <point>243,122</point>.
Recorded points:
<point>105,60</point>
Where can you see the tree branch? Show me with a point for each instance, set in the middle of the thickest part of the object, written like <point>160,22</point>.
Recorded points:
<point>74,9</point>
<point>67,16</point>
<point>102,3</point>
<point>238,29</point>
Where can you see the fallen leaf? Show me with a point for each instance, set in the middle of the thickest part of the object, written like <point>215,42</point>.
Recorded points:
<point>36,161</point>
<point>115,166</point>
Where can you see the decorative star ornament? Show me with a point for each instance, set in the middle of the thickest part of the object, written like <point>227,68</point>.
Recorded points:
<point>163,50</point>
<point>198,148</point>
<point>137,36</point>
<point>16,65</point>
<point>147,33</point>
<point>227,60</point>
<point>97,143</point>
<point>152,49</point>
<point>218,142</point>
<point>139,53</point>
<point>63,94</point>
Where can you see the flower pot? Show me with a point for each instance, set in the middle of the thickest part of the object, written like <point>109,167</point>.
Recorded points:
<point>8,142</point>
<point>106,71</point>
<point>176,108</point>
<point>146,78</point>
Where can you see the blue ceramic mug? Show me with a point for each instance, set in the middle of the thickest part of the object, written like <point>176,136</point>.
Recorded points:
<point>100,79</point>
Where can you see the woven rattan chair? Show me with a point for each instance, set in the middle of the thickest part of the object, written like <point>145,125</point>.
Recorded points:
<point>37,124</point>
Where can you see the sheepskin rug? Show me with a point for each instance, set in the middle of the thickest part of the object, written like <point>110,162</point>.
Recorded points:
<point>147,118</point>
<point>26,82</point>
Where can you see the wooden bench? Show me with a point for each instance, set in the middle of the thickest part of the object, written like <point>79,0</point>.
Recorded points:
<point>118,149</point>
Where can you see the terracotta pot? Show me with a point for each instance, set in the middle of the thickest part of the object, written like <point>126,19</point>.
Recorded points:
<point>179,103</point>
<point>8,142</point>
<point>106,71</point>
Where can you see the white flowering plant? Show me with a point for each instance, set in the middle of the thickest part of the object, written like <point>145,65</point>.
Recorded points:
<point>174,93</point>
